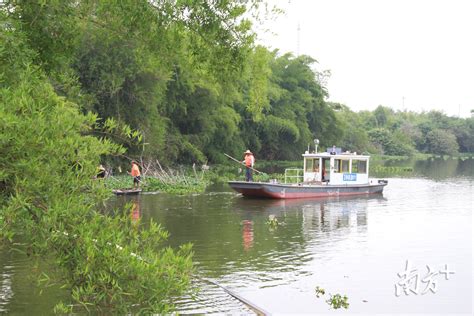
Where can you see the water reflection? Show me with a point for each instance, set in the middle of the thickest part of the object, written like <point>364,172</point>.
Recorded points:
<point>135,214</point>
<point>268,251</point>
<point>231,237</point>
<point>130,204</point>
<point>247,234</point>
<point>235,246</point>
<point>314,215</point>
<point>281,256</point>
<point>6,292</point>
<point>437,168</point>
<point>19,289</point>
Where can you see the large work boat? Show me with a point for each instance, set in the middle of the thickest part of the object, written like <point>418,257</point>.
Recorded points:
<point>330,173</point>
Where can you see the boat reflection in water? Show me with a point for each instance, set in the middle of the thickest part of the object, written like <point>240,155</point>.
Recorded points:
<point>307,229</point>
<point>284,256</point>
<point>324,214</point>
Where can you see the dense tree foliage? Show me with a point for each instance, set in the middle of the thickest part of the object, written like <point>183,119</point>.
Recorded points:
<point>187,75</point>
<point>60,61</point>
<point>405,132</point>
<point>49,199</point>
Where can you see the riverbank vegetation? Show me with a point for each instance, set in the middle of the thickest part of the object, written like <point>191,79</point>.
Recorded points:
<point>49,199</point>
<point>196,90</point>
<point>64,62</point>
<point>176,185</point>
<point>405,133</point>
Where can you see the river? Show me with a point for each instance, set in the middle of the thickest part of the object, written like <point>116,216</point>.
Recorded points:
<point>359,247</point>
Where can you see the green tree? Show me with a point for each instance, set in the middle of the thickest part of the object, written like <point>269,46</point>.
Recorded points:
<point>258,74</point>
<point>298,112</point>
<point>390,144</point>
<point>463,129</point>
<point>354,134</point>
<point>382,115</point>
<point>442,142</point>
<point>127,55</point>
<point>50,200</point>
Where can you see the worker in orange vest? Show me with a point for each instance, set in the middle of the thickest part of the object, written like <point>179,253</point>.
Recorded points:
<point>135,173</point>
<point>248,161</point>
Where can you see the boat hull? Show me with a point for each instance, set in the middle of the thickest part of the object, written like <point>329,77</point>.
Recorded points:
<point>127,191</point>
<point>292,191</point>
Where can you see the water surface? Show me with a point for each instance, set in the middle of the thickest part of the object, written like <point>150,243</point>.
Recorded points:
<point>351,246</point>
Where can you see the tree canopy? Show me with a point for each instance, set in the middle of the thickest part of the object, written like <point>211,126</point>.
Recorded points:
<point>385,131</point>
<point>189,77</point>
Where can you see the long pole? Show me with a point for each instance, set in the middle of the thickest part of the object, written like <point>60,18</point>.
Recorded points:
<point>259,311</point>
<point>240,162</point>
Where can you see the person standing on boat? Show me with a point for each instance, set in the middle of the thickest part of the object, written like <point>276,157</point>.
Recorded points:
<point>135,173</point>
<point>248,161</point>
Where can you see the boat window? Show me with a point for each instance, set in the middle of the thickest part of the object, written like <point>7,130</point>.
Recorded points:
<point>344,165</point>
<point>309,165</point>
<point>341,165</point>
<point>312,165</point>
<point>337,165</point>
<point>316,165</point>
<point>359,166</point>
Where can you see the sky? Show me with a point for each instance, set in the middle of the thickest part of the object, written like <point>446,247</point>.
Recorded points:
<point>413,55</point>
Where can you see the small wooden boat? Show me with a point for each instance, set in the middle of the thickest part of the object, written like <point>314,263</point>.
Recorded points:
<point>127,191</point>
<point>325,174</point>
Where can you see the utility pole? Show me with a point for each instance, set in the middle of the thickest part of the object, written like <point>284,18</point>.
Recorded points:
<point>298,40</point>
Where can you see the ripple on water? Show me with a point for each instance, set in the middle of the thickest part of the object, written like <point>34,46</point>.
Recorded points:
<point>355,245</point>
<point>6,291</point>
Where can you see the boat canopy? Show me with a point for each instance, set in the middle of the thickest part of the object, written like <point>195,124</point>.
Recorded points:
<point>336,168</point>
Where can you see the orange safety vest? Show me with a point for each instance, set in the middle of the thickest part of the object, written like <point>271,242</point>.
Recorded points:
<point>249,160</point>
<point>135,171</point>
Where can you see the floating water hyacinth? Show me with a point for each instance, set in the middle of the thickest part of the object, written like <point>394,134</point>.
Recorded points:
<point>335,301</point>
<point>273,221</point>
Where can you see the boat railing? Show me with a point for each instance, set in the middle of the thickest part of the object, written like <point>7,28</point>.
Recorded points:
<point>294,175</point>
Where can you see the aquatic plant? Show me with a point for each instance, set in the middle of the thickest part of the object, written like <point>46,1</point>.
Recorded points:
<point>319,291</point>
<point>174,185</point>
<point>273,222</point>
<point>337,301</point>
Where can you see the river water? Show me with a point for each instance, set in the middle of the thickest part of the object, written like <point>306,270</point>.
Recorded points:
<point>358,247</point>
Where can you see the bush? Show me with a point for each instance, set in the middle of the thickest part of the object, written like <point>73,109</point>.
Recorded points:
<point>442,142</point>
<point>49,198</point>
<point>390,144</point>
